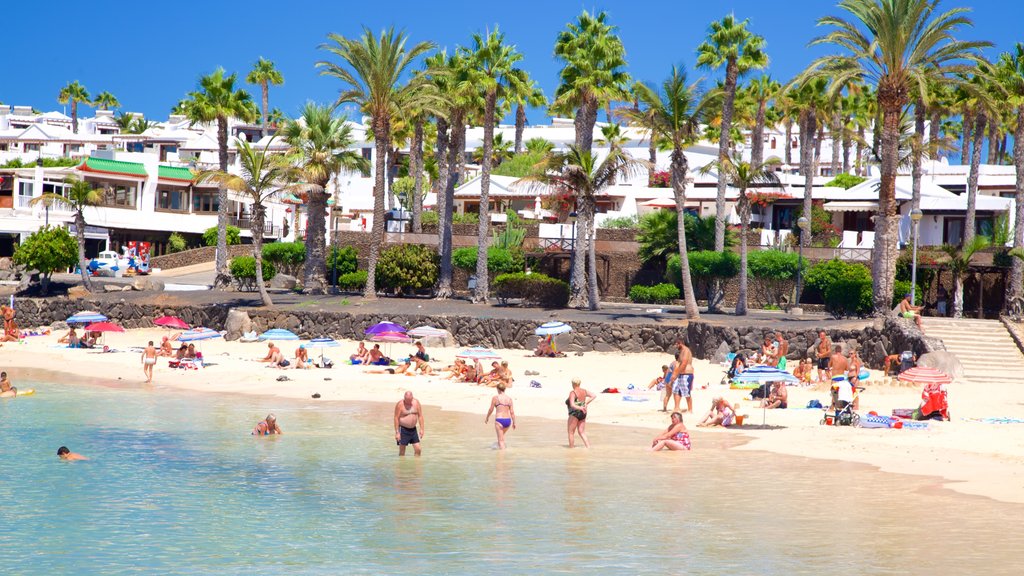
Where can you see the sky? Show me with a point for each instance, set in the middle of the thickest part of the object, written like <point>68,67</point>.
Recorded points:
<point>150,54</point>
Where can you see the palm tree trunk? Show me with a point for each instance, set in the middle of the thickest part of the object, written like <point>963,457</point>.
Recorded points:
<point>968,128</point>
<point>741,296</point>
<point>456,166</point>
<point>315,268</point>
<point>883,262</point>
<point>1015,287</point>
<point>652,157</point>
<point>679,168</point>
<point>834,131</point>
<point>807,133</point>
<point>266,107</point>
<point>381,137</point>
<point>594,293</point>
<point>788,148</point>
<point>222,278</point>
<point>916,153</point>
<point>259,215</point>
<point>484,224</point>
<point>993,141</point>
<point>444,221</point>
<point>83,266</point>
<point>728,107</point>
<point>958,295</point>
<point>586,118</point>
<point>846,148</point>
<point>74,116</point>
<point>417,165</point>
<point>757,136</point>
<point>972,179</point>
<point>859,167</point>
<point>578,293</point>
<point>520,127</point>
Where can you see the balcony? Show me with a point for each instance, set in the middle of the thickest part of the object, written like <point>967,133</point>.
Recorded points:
<point>245,223</point>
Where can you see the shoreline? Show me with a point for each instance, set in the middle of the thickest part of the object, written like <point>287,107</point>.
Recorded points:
<point>968,458</point>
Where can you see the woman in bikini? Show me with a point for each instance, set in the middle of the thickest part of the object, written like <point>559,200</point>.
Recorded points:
<point>674,438</point>
<point>577,403</point>
<point>504,414</point>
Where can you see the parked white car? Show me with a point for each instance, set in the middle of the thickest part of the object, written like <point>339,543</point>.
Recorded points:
<point>108,263</point>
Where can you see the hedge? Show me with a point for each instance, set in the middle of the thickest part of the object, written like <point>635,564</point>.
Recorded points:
<point>536,289</point>
<point>245,267</point>
<point>407,266</point>
<point>352,281</point>
<point>499,260</point>
<point>233,235</point>
<point>288,257</point>
<point>849,296</point>
<point>823,274</point>
<point>657,294</point>
<point>346,259</point>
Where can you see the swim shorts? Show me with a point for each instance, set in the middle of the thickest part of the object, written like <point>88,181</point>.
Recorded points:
<point>408,436</point>
<point>683,385</point>
<point>823,363</point>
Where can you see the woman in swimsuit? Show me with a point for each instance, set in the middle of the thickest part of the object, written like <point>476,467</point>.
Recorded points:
<point>267,426</point>
<point>674,438</point>
<point>504,414</point>
<point>577,403</point>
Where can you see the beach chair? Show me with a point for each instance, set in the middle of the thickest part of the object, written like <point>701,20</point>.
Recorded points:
<point>844,249</point>
<point>867,240</point>
<point>767,237</point>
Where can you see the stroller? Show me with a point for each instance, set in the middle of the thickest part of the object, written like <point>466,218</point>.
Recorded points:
<point>840,412</point>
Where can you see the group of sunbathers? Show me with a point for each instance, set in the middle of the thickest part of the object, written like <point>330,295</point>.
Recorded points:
<point>86,340</point>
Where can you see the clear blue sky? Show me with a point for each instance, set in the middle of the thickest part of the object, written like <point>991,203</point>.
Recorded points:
<point>150,54</point>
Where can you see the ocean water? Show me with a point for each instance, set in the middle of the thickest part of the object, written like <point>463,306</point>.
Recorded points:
<point>176,485</point>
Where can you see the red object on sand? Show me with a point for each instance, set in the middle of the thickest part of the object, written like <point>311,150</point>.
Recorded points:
<point>934,398</point>
<point>171,322</point>
<point>923,375</point>
<point>103,327</point>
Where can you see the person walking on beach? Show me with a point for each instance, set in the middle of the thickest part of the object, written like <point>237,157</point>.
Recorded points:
<point>504,414</point>
<point>6,389</point>
<point>682,377</point>
<point>409,414</point>
<point>577,403</point>
<point>674,438</point>
<point>824,356</point>
<point>267,426</point>
<point>148,361</point>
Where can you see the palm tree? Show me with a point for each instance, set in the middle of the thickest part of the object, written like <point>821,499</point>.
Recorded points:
<point>761,90</point>
<point>579,172</point>
<point>260,176</point>
<point>124,122</point>
<point>812,97</point>
<point>729,44</point>
<point>959,263</point>
<point>984,105</point>
<point>894,45</point>
<point>593,73</point>
<point>371,69</point>
<point>263,74</point>
<point>501,150</point>
<point>217,100</point>
<point>529,95</point>
<point>539,146</point>
<point>320,143</point>
<point>79,196</point>
<point>674,115</point>
<point>73,93</point>
<point>105,101</point>
<point>1010,72</point>
<point>644,119</point>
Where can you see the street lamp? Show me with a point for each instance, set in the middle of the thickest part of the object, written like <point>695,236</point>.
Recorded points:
<point>805,225</point>
<point>915,217</point>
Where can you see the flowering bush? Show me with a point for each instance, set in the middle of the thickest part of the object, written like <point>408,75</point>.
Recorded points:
<point>763,199</point>
<point>660,179</point>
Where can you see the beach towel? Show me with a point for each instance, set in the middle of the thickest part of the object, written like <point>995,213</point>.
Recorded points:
<point>534,384</point>
<point>634,398</point>
<point>994,420</point>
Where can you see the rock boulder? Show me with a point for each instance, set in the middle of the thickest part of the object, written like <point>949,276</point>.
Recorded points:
<point>237,323</point>
<point>944,361</point>
<point>283,282</point>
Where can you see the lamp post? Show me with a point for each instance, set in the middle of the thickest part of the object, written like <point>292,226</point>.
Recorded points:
<point>804,224</point>
<point>915,217</point>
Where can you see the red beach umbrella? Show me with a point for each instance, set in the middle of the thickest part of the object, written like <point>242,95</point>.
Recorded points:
<point>103,327</point>
<point>171,322</point>
<point>925,375</point>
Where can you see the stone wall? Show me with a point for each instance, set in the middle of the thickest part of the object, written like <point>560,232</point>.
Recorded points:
<point>196,256</point>
<point>34,312</point>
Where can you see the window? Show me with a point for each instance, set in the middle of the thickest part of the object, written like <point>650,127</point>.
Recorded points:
<point>172,200</point>
<point>118,194</point>
<point>205,201</point>
<point>4,146</point>
<point>773,142</point>
<point>25,189</point>
<point>30,147</point>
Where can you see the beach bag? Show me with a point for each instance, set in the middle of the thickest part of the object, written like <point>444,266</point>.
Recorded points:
<point>327,363</point>
<point>814,404</point>
<point>285,363</point>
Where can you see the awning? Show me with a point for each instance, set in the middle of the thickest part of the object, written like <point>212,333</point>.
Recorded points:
<point>851,206</point>
<point>659,203</point>
<point>104,166</point>
<point>175,174</point>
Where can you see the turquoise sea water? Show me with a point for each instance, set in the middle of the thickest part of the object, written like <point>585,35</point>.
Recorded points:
<point>177,486</point>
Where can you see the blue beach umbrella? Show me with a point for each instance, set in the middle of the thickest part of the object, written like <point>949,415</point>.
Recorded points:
<point>322,343</point>
<point>86,317</point>
<point>198,334</point>
<point>278,334</point>
<point>552,329</point>
<point>757,375</point>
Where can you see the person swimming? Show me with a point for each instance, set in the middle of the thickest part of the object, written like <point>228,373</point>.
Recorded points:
<point>267,426</point>
<point>65,454</point>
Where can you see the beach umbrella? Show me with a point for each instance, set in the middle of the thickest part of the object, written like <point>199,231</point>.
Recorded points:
<point>86,317</point>
<point>552,329</point>
<point>478,353</point>
<point>758,375</point>
<point>171,322</point>
<point>924,375</point>
<point>427,332</point>
<point>103,327</point>
<point>278,334</point>
<point>381,327</point>
<point>322,343</point>
<point>389,338</point>
<point>198,334</point>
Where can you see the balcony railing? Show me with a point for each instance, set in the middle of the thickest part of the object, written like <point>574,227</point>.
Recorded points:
<point>245,223</point>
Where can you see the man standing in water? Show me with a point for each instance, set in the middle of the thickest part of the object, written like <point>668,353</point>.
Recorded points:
<point>409,414</point>
<point>682,377</point>
<point>148,361</point>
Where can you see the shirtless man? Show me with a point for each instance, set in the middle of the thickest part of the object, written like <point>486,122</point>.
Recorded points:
<point>908,310</point>
<point>166,349</point>
<point>837,362</point>
<point>301,357</point>
<point>782,348</point>
<point>64,454</point>
<point>409,414</point>
<point>682,377</point>
<point>362,355</point>
<point>6,390</point>
<point>377,357</point>
<point>273,355</point>
<point>824,356</point>
<point>148,361</point>
<point>778,397</point>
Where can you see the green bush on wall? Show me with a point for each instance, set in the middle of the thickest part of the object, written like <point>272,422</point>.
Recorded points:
<point>657,294</point>
<point>407,267</point>
<point>352,281</point>
<point>245,267</point>
<point>288,257</point>
<point>234,236</point>
<point>499,260</point>
<point>536,289</point>
<point>344,259</point>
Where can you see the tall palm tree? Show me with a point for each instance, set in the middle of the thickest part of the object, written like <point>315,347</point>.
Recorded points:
<point>959,263</point>
<point>529,95</point>
<point>73,93</point>
<point>263,74</point>
<point>812,97</point>
<point>79,196</point>
<point>984,105</point>
<point>320,143</point>
<point>494,73</point>
<point>593,73</point>
<point>260,176</point>
<point>674,116</point>
<point>416,163</point>
<point>217,100</point>
<point>105,101</point>
<point>894,45</point>
<point>744,175</point>
<point>729,44</point>
<point>579,172</point>
<point>761,91</point>
<point>643,117</point>
<point>371,69</point>
<point>1010,72</point>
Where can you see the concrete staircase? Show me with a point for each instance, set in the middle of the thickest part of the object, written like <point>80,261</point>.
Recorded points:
<point>984,347</point>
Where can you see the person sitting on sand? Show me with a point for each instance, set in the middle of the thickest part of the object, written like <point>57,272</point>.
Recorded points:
<point>274,356</point>
<point>908,310</point>
<point>777,398</point>
<point>267,426</point>
<point>11,333</point>
<point>493,377</point>
<point>6,389</point>
<point>166,349</point>
<point>721,414</point>
<point>64,454</point>
<point>362,355</point>
<point>190,352</point>
<point>804,370</point>
<point>420,358</point>
<point>506,374</point>
<point>543,348</point>
<point>182,351</point>
<point>302,360</point>
<point>71,338</point>
<point>504,414</point>
<point>377,358</point>
<point>472,373</point>
<point>739,364</point>
<point>675,437</point>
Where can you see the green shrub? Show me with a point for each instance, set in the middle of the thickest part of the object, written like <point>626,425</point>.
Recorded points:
<point>467,218</point>
<point>657,294</point>
<point>708,270</point>
<point>346,259</point>
<point>823,274</point>
<point>845,181</point>
<point>47,250</point>
<point>428,217</point>
<point>176,243</point>
<point>901,287</point>
<point>773,272</point>
<point>287,257</point>
<point>407,266</point>
<point>849,296</point>
<point>499,260</point>
<point>519,165</point>
<point>534,289</point>
<point>245,267</point>
<point>621,222</point>
<point>352,281</point>
<point>658,235</point>
<point>234,236</point>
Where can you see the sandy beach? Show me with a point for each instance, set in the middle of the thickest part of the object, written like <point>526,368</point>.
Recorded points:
<point>969,455</point>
